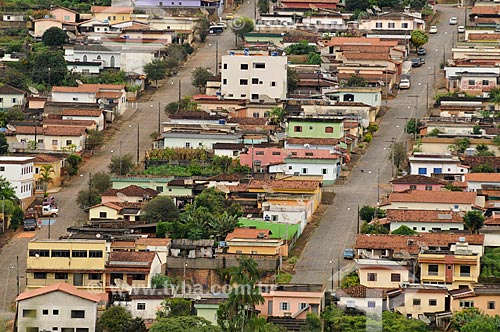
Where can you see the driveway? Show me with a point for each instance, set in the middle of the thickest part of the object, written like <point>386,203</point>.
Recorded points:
<point>337,229</point>
<point>125,139</point>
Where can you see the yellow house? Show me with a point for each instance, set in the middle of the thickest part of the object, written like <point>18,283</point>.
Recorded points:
<point>381,273</point>
<point>43,24</point>
<point>418,301</point>
<point>80,263</point>
<point>112,14</point>
<point>56,163</point>
<point>251,241</point>
<point>484,297</point>
<point>454,270</point>
<point>129,211</point>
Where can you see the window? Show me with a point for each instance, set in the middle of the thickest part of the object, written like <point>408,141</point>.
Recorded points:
<point>372,277</point>
<point>61,275</point>
<point>351,304</point>
<point>141,306</point>
<point>395,277</point>
<point>303,305</point>
<point>55,312</point>
<point>273,83</point>
<point>255,81</point>
<point>428,188</point>
<point>378,25</point>
<point>255,115</point>
<point>82,329</point>
<point>422,171</point>
<point>466,304</point>
<point>433,269</point>
<point>297,129</point>
<point>79,253</point>
<point>284,306</point>
<point>103,214</point>
<point>224,81</point>
<point>32,329</point>
<point>371,304</point>
<point>40,253</point>
<point>188,145</point>
<point>465,270</point>
<point>95,276</point>
<point>437,170</point>
<point>259,65</point>
<point>45,311</point>
<point>243,95</point>
<point>324,171</point>
<point>40,275</point>
<point>486,82</point>
<point>29,313</point>
<point>60,253</point>
<point>243,82</point>
<point>274,217</point>
<point>255,96</point>
<point>77,279</point>
<point>309,154</point>
<point>432,302</point>
<point>303,170</point>
<point>77,313</point>
<point>75,98</point>
<point>329,130</point>
<point>294,153</point>
<point>138,277</point>
<point>259,153</point>
<point>224,65</point>
<point>66,17</point>
<point>472,82</point>
<point>491,305</point>
<point>276,153</point>
<point>159,189</point>
<point>416,301</point>
<point>244,66</point>
<point>392,25</point>
<point>95,253</point>
<point>413,187</point>
<point>404,25</point>
<point>55,142</point>
<point>69,142</point>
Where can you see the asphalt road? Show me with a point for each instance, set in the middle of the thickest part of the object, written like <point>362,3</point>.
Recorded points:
<point>125,140</point>
<point>323,253</point>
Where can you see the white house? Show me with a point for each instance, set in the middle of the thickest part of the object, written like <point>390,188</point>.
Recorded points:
<point>145,302</point>
<point>95,115</point>
<point>231,150</point>
<point>13,17</point>
<point>326,166</point>
<point>10,96</point>
<point>286,214</point>
<point>455,201</point>
<point>425,220</point>
<point>253,77</point>
<point>19,171</point>
<point>197,140</point>
<point>367,95</point>
<point>369,300</point>
<point>58,307</point>
<point>429,164</point>
<point>475,181</point>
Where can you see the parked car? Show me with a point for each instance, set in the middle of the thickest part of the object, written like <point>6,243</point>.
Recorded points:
<point>220,24</point>
<point>421,51</point>
<point>229,16</point>
<point>349,253</point>
<point>433,29</point>
<point>29,224</point>
<point>461,29</point>
<point>453,20</point>
<point>417,62</point>
<point>404,83</point>
<point>215,30</point>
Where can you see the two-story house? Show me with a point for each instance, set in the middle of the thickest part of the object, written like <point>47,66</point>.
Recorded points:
<point>438,165</point>
<point>481,296</point>
<point>58,307</point>
<point>53,162</point>
<point>11,97</point>
<point>316,127</point>
<point>475,181</point>
<point>382,273</point>
<point>249,241</point>
<point>420,301</point>
<point>64,15</point>
<point>19,171</point>
<point>112,14</point>
<point>96,115</point>
<point>50,139</point>
<point>368,299</point>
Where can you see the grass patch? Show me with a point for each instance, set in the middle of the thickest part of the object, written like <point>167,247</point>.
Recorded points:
<point>283,278</point>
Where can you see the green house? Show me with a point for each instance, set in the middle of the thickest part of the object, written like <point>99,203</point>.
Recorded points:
<point>158,183</point>
<point>315,127</point>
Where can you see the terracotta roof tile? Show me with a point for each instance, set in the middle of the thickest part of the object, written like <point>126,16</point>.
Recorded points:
<point>313,141</point>
<point>82,112</point>
<point>46,158</point>
<point>483,10</point>
<point>249,121</point>
<point>248,233</point>
<point>72,123</point>
<point>51,131</point>
<point>154,242</point>
<point>461,293</point>
<point>123,244</point>
<point>195,115</point>
<point>482,177</point>
<point>337,41</point>
<point>89,88</point>
<point>224,177</point>
<point>484,36</point>
<point>418,179</point>
<point>283,184</point>
<point>131,191</point>
<point>361,291</point>
<point>59,287</point>
<point>479,160</point>
<point>396,215</point>
<point>424,196</point>
<point>401,242</point>
<point>131,256</point>
<point>10,90</point>
<point>111,9</point>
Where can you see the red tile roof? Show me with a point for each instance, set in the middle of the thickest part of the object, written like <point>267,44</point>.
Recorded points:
<point>111,9</point>
<point>131,191</point>
<point>361,291</point>
<point>418,179</point>
<point>154,242</point>
<point>248,233</point>
<point>87,88</point>
<point>46,158</point>
<point>338,41</point>
<point>82,112</point>
<point>59,287</point>
<point>486,10</point>
<point>313,141</point>
<point>131,257</point>
<point>482,177</point>
<point>394,215</point>
<point>424,196</point>
<point>51,131</point>
<point>73,123</point>
<point>283,184</point>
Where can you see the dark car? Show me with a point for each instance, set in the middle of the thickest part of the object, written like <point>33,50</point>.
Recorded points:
<point>29,224</point>
<point>421,51</point>
<point>215,30</point>
<point>417,62</point>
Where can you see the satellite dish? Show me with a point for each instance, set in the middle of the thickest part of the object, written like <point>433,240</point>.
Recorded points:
<point>98,235</point>
<point>307,146</point>
<point>222,188</point>
<point>103,101</point>
<point>78,82</point>
<point>121,196</point>
<point>37,255</point>
<point>11,127</point>
<point>33,90</point>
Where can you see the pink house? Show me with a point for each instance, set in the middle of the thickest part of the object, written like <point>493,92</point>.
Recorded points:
<point>292,300</point>
<point>417,182</point>
<point>64,15</point>
<point>263,157</point>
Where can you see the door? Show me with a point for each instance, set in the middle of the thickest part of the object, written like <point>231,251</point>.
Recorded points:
<point>77,279</point>
<point>270,308</point>
<point>449,273</point>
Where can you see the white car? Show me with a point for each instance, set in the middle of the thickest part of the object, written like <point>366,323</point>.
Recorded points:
<point>461,29</point>
<point>404,83</point>
<point>453,20</point>
<point>433,29</point>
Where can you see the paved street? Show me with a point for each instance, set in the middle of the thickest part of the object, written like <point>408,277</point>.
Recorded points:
<point>125,139</point>
<point>338,227</point>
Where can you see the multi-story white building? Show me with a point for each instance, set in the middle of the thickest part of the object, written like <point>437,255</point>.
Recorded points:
<point>19,171</point>
<point>253,77</point>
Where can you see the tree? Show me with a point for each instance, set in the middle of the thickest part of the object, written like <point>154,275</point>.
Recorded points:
<point>350,280</point>
<point>95,139</point>
<point>398,154</point>
<point>413,126</point>
<point>472,320</point>
<point>461,144</point>
<point>300,48</point>
<point>476,130</point>
<point>367,213</point>
<point>260,324</point>
<point>200,77</point>
<point>483,150</point>
<point>49,67</point>
<point>4,145</point>
<point>16,218</point>
<point>160,281</point>
<point>474,220</point>
<point>241,26</point>
<point>404,230</point>
<point>101,181</point>
<point>14,77</point>
<point>156,70</point>
<point>495,97</point>
<point>54,37</point>
<point>483,168</point>
<point>356,80</point>
<point>121,165</point>
<point>86,198</point>
<point>373,228</point>
<point>183,324</point>
<point>263,6</point>
<point>6,190</point>
<point>188,49</point>
<point>313,323</point>
<point>277,115</point>
<point>172,64</point>
<point>418,38</point>
<point>224,224</point>
<point>45,177</point>
<point>177,52</point>
<point>117,319</point>
<point>292,79</point>
<point>174,307</point>
<point>160,208</point>
<point>202,28</point>
<point>161,229</point>
<point>313,59</point>
<point>73,162</point>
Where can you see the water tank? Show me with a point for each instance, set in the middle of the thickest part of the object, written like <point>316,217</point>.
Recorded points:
<point>222,121</point>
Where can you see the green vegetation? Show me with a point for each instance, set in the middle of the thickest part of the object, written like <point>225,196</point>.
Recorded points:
<point>202,28</point>
<point>121,164</point>
<point>283,278</point>
<point>241,26</point>
<point>373,228</point>
<point>413,126</point>
<point>116,318</point>
<point>174,307</point>
<point>73,162</point>
<point>461,144</point>
<point>404,230</point>
<point>483,168</point>
<point>356,81</point>
<point>183,324</point>
<point>474,221</point>
<point>300,48</point>
<point>418,38</point>
<point>292,79</point>
<point>490,263</point>
<point>54,37</point>
<point>368,213</point>
<point>350,280</point>
<point>472,320</point>
<point>200,77</point>
<point>368,138</point>
<point>156,70</point>
<point>483,150</point>
<point>160,208</point>
<point>34,6</point>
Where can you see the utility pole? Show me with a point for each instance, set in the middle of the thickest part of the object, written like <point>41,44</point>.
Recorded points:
<point>49,228</point>
<point>357,228</point>
<point>180,96</point>
<point>427,89</point>
<point>216,57</point>
<point>120,158</point>
<point>159,117</point>
<point>138,157</point>
<point>378,187</point>
<point>90,189</point>
<point>17,274</point>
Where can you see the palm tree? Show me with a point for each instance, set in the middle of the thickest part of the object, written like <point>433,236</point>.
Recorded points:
<point>277,115</point>
<point>224,224</point>
<point>495,97</point>
<point>6,190</point>
<point>45,177</point>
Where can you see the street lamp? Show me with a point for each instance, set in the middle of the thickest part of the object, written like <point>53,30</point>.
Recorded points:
<point>333,275</point>
<point>184,279</point>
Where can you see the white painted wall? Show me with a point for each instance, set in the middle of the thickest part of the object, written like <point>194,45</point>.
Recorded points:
<point>98,120</point>
<point>361,303</point>
<point>195,141</point>
<point>10,100</point>
<point>424,227</point>
<point>19,171</point>
<point>80,97</point>
<point>447,168</point>
<point>293,166</point>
